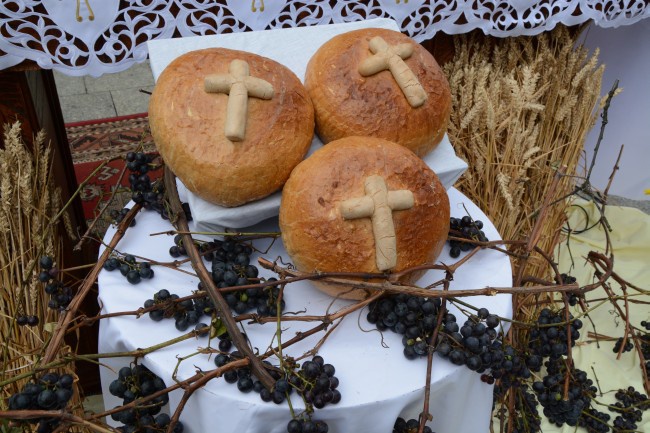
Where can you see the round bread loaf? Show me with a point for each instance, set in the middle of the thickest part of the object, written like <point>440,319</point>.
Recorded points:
<point>188,126</point>
<point>347,103</point>
<point>321,235</point>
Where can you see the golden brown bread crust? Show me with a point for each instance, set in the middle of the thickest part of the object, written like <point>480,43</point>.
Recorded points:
<point>187,125</point>
<point>317,238</point>
<point>348,104</point>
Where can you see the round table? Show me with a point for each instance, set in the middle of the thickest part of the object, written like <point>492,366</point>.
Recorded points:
<point>377,382</point>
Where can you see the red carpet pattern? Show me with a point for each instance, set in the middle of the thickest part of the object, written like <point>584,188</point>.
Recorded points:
<point>92,143</point>
<point>98,140</point>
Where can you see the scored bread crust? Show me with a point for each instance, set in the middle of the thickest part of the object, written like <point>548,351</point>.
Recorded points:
<point>187,125</point>
<point>347,103</point>
<point>318,239</point>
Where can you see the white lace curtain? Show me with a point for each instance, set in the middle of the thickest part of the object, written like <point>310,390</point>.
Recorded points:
<point>93,37</point>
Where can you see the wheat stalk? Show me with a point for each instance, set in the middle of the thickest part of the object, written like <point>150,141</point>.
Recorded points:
<point>28,205</point>
<point>521,108</point>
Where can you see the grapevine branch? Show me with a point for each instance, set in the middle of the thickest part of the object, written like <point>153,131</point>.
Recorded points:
<point>425,415</point>
<point>200,382</point>
<point>99,215</point>
<point>204,378</point>
<point>69,314</point>
<point>185,383</point>
<point>413,290</point>
<point>642,360</point>
<point>61,415</point>
<point>206,279</point>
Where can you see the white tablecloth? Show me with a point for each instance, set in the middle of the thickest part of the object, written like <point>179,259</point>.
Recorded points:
<point>377,383</point>
<point>93,37</point>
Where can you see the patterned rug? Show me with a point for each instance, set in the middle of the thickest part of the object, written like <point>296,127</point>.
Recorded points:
<point>96,141</point>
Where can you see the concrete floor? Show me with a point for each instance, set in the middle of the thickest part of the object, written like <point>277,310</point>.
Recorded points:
<point>111,95</point>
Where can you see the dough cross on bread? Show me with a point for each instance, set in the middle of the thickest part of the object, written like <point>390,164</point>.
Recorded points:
<point>392,58</point>
<point>378,204</point>
<point>238,85</point>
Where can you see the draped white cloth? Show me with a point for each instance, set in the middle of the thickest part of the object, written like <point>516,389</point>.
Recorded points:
<point>376,382</point>
<point>94,37</point>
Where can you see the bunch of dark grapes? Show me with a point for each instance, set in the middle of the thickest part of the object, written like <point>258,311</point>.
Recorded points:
<point>186,313</point>
<point>243,377</point>
<point>594,421</point>
<point>474,345</point>
<point>314,381</point>
<point>467,228</point>
<point>410,426</point>
<point>480,349</point>
<point>139,164</point>
<point>133,270</point>
<point>504,363</point>
<point>645,345</point>
<point>51,392</point>
<point>550,393</point>
<point>118,215</point>
<point>151,195</point>
<point>568,279</point>
<point>631,404</point>
<point>619,342</point>
<point>25,320</point>
<point>137,382</point>
<point>262,300</point>
<point>177,250</point>
<point>413,317</point>
<point>307,425</point>
<point>60,295</point>
<point>231,267</point>
<point>206,249</point>
<point>478,344</point>
<point>550,338</point>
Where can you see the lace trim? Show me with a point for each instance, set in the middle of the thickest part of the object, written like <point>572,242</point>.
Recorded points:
<point>93,37</point>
